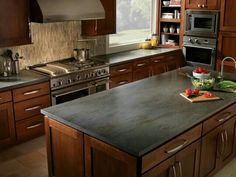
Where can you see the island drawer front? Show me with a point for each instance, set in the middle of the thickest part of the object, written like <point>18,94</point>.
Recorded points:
<point>121,69</point>
<point>5,97</point>
<point>219,118</point>
<point>121,80</point>
<point>31,107</point>
<point>29,128</point>
<point>29,92</point>
<point>141,64</point>
<point>160,154</point>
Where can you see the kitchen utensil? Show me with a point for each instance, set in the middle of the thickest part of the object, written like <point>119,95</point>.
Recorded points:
<point>200,98</point>
<point>166,3</point>
<point>83,54</point>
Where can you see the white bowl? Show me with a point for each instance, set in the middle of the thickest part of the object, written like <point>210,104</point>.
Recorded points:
<point>201,75</point>
<point>166,3</point>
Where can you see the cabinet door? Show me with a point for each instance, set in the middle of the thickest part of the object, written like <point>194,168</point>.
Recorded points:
<point>193,4</point>
<point>14,15</point>
<point>102,26</point>
<point>103,160</point>
<point>187,160</point>
<point>120,80</point>
<point>228,12</point>
<point>210,151</point>
<point>158,65</point>
<point>165,169</point>
<point>7,126</point>
<point>212,4</point>
<point>141,74</point>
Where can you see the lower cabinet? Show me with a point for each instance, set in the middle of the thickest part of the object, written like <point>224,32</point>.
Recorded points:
<point>218,148</point>
<point>7,125</point>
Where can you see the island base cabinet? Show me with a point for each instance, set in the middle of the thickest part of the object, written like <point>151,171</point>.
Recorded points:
<point>64,149</point>
<point>218,148</point>
<point>103,160</point>
<point>184,164</point>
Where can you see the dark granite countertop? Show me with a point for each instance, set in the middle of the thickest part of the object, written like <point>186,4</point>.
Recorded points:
<point>24,78</point>
<point>140,116</point>
<point>122,57</point>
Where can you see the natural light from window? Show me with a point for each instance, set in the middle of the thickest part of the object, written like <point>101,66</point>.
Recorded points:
<point>133,22</point>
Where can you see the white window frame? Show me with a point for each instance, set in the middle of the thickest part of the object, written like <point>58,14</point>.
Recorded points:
<point>134,45</point>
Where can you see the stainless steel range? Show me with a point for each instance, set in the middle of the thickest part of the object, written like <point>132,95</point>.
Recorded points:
<point>71,79</point>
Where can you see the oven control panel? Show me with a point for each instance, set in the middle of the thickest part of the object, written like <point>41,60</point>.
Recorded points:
<point>199,41</point>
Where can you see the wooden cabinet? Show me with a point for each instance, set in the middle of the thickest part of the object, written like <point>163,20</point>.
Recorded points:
<point>14,28</point>
<point>101,26</point>
<point>157,65</point>
<point>228,12</point>
<point>218,147</point>
<point>202,4</point>
<point>141,69</point>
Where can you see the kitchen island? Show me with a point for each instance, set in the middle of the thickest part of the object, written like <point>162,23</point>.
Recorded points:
<point>141,129</point>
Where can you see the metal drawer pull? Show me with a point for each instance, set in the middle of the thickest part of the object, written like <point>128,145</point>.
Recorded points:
<point>31,92</point>
<point>174,171</point>
<point>122,70</point>
<point>122,82</point>
<point>156,61</point>
<point>34,126</point>
<point>226,140</point>
<point>0,98</point>
<point>141,64</point>
<point>33,108</point>
<point>177,148</point>
<point>226,118</point>
<point>180,169</point>
<point>222,143</point>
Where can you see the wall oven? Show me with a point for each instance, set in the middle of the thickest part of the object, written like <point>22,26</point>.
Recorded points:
<point>200,51</point>
<point>79,90</point>
<point>201,23</point>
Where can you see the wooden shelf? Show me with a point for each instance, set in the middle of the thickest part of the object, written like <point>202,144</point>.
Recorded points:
<point>170,20</point>
<point>171,6</point>
<point>176,34</point>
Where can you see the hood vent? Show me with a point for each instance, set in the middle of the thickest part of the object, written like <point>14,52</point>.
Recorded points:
<point>65,10</point>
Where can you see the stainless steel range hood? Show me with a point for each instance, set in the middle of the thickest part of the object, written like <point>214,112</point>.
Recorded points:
<point>65,10</point>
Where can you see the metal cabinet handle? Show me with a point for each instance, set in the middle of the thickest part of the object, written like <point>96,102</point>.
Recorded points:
<point>226,140</point>
<point>0,98</point>
<point>177,147</point>
<point>199,5</point>
<point>31,92</point>
<point>203,6</point>
<point>122,70</point>
<point>225,118</point>
<point>180,169</point>
<point>222,149</point>
<point>122,82</point>
<point>33,108</point>
<point>141,64</point>
<point>156,61</point>
<point>174,171</point>
<point>96,26</point>
<point>34,126</point>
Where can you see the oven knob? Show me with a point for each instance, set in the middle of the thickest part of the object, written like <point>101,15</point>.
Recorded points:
<point>104,71</point>
<point>69,81</point>
<point>190,40</point>
<point>78,77</point>
<point>60,82</point>
<point>196,41</point>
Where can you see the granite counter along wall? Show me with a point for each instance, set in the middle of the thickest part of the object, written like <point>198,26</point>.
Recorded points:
<point>53,41</point>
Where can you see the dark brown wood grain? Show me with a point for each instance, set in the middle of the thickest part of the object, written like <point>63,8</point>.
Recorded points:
<point>5,97</point>
<point>121,80</point>
<point>121,69</point>
<point>202,4</point>
<point>228,11</point>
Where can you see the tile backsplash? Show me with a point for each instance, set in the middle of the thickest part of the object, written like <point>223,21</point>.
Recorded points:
<point>53,41</point>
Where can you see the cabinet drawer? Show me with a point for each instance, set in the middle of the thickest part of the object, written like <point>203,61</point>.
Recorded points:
<point>31,107</point>
<point>30,128</point>
<point>141,64</point>
<point>155,157</point>
<point>5,97</point>
<point>219,118</point>
<point>32,91</point>
<point>120,80</point>
<point>121,69</point>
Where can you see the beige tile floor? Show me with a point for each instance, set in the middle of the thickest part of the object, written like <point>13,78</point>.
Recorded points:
<point>29,160</point>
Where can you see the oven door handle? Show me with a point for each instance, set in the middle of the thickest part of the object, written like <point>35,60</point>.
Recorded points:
<point>72,91</point>
<point>210,48</point>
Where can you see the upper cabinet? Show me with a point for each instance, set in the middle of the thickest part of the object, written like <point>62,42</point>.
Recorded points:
<point>228,12</point>
<point>102,26</point>
<point>14,25</point>
<point>202,4</point>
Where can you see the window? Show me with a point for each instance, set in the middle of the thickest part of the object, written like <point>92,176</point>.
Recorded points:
<point>134,22</point>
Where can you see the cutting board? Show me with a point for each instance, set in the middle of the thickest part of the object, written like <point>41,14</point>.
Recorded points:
<point>200,98</point>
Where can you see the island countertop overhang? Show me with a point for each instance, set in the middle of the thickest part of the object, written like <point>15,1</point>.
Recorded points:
<point>138,117</point>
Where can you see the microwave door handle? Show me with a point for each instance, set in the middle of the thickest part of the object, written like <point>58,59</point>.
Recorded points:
<point>211,48</point>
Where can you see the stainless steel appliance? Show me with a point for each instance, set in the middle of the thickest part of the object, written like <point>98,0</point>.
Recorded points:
<point>201,23</point>
<point>200,51</point>
<point>71,79</point>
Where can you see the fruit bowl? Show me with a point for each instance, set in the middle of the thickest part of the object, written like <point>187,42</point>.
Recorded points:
<point>201,73</point>
<point>203,84</point>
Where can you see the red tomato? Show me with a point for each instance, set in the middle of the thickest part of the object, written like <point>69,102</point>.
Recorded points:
<point>188,92</point>
<point>196,91</point>
<point>200,70</point>
<point>208,94</point>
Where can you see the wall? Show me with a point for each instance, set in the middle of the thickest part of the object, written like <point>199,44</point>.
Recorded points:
<point>53,41</point>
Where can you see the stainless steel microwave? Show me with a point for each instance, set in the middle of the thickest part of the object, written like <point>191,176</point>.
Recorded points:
<point>201,23</point>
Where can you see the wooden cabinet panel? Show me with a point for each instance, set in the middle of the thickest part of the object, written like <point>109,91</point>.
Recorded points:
<point>29,92</point>
<point>158,65</point>
<point>141,74</point>
<point>121,80</point>
<point>115,163</point>
<point>202,4</point>
<point>5,97</point>
<point>228,12</point>
<point>193,4</point>
<point>31,107</point>
<point>167,150</point>
<point>102,26</point>
<point>15,30</point>
<point>212,4</point>
<point>229,66</point>
<point>30,128</point>
<point>121,69</point>
<point>7,126</point>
